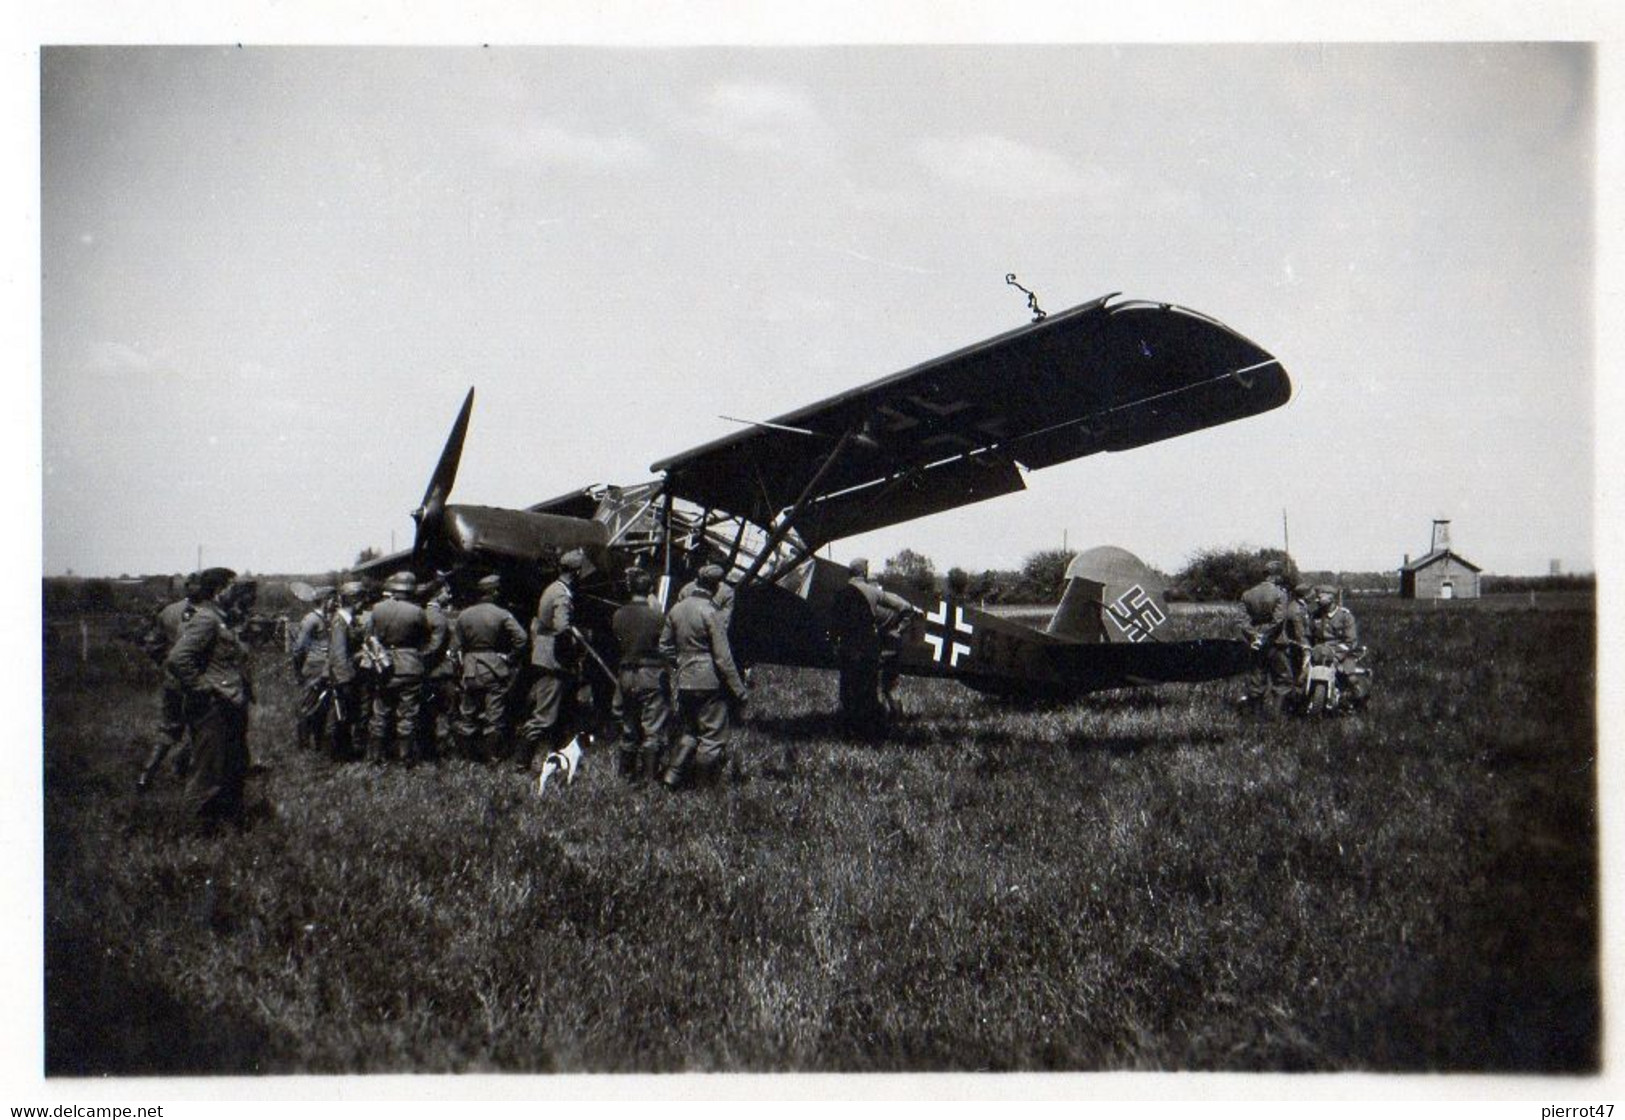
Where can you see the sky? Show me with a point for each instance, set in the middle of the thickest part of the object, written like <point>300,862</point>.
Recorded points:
<point>269,274</point>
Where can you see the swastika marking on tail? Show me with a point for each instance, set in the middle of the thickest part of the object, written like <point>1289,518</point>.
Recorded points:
<point>1136,614</point>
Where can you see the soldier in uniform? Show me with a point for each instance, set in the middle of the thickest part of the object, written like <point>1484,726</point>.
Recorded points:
<point>344,638</point>
<point>722,598</point>
<point>1271,680</point>
<point>1333,626</point>
<point>553,664</point>
<point>693,640</point>
<point>402,629</point>
<point>211,666</point>
<point>309,655</point>
<point>491,641</point>
<point>869,671</point>
<point>162,634</point>
<point>641,703</point>
<point>439,674</point>
<point>1295,627</point>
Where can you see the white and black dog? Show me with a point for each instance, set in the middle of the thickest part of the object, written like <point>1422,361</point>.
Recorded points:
<point>562,763</point>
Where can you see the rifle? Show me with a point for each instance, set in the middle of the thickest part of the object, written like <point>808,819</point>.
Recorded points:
<point>586,645</point>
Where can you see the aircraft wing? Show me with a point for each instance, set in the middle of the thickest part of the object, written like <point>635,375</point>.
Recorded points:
<point>957,429</point>
<point>385,565</point>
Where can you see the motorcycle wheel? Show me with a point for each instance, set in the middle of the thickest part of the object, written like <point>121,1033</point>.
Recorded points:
<point>1317,703</point>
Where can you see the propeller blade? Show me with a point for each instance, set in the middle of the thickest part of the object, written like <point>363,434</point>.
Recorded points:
<point>430,513</point>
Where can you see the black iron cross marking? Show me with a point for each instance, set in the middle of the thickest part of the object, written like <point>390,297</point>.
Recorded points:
<point>946,646</point>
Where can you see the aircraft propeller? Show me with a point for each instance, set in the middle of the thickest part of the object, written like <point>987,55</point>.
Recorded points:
<point>430,515</point>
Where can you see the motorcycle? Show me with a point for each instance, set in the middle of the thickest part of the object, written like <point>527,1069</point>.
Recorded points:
<point>1326,685</point>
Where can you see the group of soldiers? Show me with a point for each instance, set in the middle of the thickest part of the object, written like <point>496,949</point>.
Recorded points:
<point>399,681</point>
<point>410,677</point>
<point>1290,626</point>
<point>404,675</point>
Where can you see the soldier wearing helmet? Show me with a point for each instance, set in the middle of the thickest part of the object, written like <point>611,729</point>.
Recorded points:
<point>555,665</point>
<point>398,634</point>
<point>490,641</point>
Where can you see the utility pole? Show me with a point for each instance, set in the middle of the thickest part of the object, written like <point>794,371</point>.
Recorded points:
<point>1286,537</point>
<point>199,567</point>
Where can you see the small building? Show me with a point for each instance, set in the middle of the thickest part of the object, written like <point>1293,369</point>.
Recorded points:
<point>1441,574</point>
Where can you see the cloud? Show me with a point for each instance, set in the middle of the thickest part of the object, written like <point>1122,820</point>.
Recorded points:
<point>758,116</point>
<point>559,147</point>
<point>1006,168</point>
<point>107,357</point>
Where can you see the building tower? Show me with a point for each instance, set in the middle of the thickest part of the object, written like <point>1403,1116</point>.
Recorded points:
<point>1441,535</point>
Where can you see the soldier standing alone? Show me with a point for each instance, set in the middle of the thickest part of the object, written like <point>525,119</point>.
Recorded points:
<point>211,665</point>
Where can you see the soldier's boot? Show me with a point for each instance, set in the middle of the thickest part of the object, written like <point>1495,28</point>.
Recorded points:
<point>149,769</point>
<point>648,765</point>
<point>464,744</point>
<point>495,748</point>
<point>630,762</point>
<point>377,749</point>
<point>524,753</point>
<point>708,771</point>
<point>677,766</point>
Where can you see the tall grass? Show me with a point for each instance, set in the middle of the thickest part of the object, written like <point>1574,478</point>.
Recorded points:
<point>1134,881</point>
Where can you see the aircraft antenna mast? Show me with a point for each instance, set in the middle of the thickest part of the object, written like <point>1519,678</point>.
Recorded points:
<point>1032,298</point>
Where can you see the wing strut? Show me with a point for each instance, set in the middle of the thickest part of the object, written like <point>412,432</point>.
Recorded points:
<point>788,520</point>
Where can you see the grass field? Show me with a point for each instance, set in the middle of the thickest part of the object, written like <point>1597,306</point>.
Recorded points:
<point>1140,880</point>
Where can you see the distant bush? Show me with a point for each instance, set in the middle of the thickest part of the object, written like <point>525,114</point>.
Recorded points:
<point>1043,574</point>
<point>1500,585</point>
<point>96,596</point>
<point>910,571</point>
<point>1224,573</point>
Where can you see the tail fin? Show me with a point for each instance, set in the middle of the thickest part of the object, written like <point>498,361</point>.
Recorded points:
<point>1110,596</point>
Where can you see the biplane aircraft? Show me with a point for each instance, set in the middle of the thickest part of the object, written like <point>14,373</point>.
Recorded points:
<point>958,429</point>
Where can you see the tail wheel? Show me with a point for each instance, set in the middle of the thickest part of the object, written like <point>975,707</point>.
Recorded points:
<point>1318,703</point>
